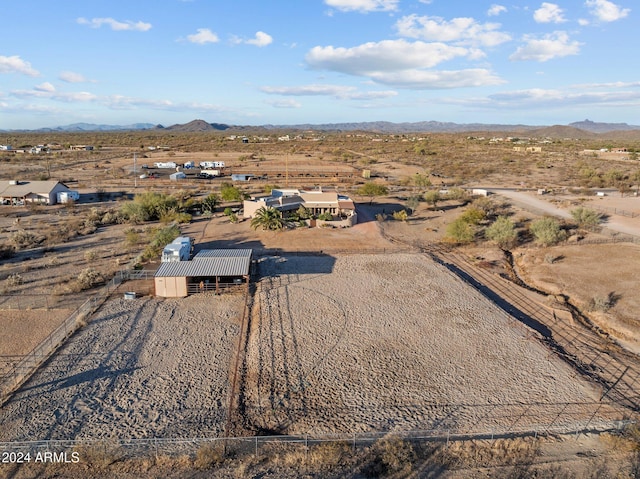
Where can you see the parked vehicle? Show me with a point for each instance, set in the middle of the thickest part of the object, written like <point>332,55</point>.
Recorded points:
<point>209,173</point>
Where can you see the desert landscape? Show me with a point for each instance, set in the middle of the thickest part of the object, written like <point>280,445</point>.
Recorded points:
<point>343,330</point>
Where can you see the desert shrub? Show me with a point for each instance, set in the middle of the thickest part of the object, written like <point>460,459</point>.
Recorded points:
<point>585,217</point>
<point>502,232</point>
<point>413,202</point>
<point>390,455</point>
<point>88,278</point>
<point>371,189</point>
<point>602,303</point>
<point>400,215</point>
<point>148,206</point>
<point>208,456</point>
<point>228,211</point>
<point>175,216</point>
<point>23,239</point>
<point>381,217</point>
<point>325,216</point>
<point>90,255</point>
<point>547,231</point>
<point>457,194</point>
<point>228,192</point>
<point>132,237</point>
<point>460,232</point>
<point>472,216</point>
<point>432,197</point>
<point>14,279</point>
<point>233,218</point>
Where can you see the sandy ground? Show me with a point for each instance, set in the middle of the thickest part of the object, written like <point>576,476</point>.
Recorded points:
<point>141,368</point>
<point>370,342</point>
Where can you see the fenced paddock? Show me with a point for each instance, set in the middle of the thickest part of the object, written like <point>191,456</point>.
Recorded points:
<point>17,368</point>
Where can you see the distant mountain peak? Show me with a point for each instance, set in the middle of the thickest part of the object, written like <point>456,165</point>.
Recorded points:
<point>596,127</point>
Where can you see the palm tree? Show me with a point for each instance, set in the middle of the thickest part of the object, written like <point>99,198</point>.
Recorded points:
<point>268,218</point>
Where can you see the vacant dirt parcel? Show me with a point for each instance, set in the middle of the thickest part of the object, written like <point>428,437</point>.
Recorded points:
<point>141,368</point>
<point>382,342</point>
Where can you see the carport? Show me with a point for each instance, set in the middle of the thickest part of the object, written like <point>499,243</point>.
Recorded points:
<point>209,270</point>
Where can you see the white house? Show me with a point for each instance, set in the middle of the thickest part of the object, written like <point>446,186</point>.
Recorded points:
<point>15,192</point>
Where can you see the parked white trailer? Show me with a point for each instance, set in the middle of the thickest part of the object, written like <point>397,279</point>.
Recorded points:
<point>205,165</point>
<point>209,173</point>
<point>184,240</point>
<point>179,250</point>
<point>66,196</point>
<point>168,164</point>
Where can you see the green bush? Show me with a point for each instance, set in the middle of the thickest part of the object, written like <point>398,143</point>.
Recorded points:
<point>460,231</point>
<point>585,217</point>
<point>503,232</point>
<point>547,231</point>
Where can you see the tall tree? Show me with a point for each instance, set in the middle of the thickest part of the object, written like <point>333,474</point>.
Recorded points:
<point>267,218</point>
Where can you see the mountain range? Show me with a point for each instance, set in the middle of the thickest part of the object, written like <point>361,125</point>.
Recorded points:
<point>573,129</point>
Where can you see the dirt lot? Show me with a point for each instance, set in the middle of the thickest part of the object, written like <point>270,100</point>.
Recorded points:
<point>614,277</point>
<point>367,342</point>
<point>141,368</point>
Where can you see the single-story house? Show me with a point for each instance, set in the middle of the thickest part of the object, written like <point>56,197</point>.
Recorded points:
<point>15,192</point>
<point>209,270</point>
<point>317,202</point>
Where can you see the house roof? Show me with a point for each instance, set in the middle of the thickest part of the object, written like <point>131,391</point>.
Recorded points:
<point>209,263</point>
<point>23,188</point>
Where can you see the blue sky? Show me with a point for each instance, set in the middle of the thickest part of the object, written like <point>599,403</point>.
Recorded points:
<point>251,62</point>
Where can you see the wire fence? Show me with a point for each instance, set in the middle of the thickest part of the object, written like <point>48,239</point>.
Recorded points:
<point>86,450</point>
<point>17,369</point>
<point>576,340</point>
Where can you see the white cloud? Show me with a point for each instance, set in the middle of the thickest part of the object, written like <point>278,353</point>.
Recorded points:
<point>553,45</point>
<point>46,87</point>
<point>337,91</point>
<point>203,36</point>
<point>463,30</point>
<point>436,80</point>
<point>606,11</point>
<point>115,24</point>
<point>72,77</point>
<point>402,64</point>
<point>15,64</point>
<point>261,40</point>
<point>363,6</point>
<point>549,13</point>
<point>285,103</point>
<point>541,98</point>
<point>387,55</point>
<point>496,10</point>
<point>48,92</point>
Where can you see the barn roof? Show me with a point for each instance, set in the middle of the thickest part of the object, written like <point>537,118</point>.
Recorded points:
<point>209,263</point>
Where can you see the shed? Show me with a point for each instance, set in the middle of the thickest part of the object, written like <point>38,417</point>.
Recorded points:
<point>177,176</point>
<point>209,270</point>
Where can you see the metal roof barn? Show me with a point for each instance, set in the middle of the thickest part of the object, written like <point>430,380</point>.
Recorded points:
<point>209,269</point>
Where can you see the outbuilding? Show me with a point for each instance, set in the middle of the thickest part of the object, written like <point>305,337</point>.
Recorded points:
<point>209,270</point>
